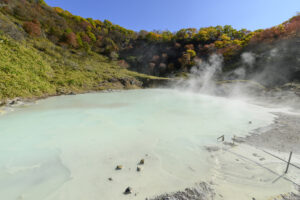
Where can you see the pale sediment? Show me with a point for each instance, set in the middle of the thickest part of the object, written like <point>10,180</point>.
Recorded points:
<point>282,136</point>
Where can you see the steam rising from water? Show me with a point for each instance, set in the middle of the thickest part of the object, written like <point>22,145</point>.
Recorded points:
<point>204,74</point>
<point>256,77</point>
<point>248,58</point>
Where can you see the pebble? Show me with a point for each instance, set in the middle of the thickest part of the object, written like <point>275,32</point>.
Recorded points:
<point>142,162</point>
<point>128,190</point>
<point>138,169</point>
<point>119,167</point>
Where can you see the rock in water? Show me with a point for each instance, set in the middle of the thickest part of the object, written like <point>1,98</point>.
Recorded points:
<point>119,167</point>
<point>128,190</point>
<point>142,162</point>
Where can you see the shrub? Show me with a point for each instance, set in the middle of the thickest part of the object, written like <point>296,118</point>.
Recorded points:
<point>58,10</point>
<point>33,28</point>
<point>114,55</point>
<point>123,64</point>
<point>85,25</point>
<point>79,40</point>
<point>85,38</point>
<point>153,37</point>
<point>171,66</point>
<point>20,12</point>
<point>191,52</point>
<point>70,39</point>
<point>189,46</point>
<point>91,36</point>
<point>151,67</point>
<point>155,58</point>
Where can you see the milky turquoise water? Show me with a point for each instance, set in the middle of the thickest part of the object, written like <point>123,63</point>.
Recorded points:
<point>65,148</point>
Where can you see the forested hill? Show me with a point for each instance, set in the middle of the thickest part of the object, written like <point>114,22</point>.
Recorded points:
<point>76,48</point>
<point>46,51</point>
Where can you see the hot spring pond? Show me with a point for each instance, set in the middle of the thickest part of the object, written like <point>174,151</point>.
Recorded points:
<point>66,148</point>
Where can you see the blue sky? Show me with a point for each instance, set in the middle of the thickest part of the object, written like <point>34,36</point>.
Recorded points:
<point>176,14</point>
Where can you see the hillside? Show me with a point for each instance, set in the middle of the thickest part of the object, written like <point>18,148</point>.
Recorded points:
<point>48,51</point>
<point>34,66</point>
<point>274,52</point>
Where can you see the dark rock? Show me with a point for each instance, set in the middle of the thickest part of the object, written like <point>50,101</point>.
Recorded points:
<point>138,169</point>
<point>142,161</point>
<point>13,101</point>
<point>113,80</point>
<point>128,191</point>
<point>119,167</point>
<point>110,179</point>
<point>125,82</point>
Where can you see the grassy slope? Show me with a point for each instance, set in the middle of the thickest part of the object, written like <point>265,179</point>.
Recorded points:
<point>36,68</point>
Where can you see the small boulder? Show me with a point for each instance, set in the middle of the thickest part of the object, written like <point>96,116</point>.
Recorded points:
<point>119,167</point>
<point>110,179</point>
<point>138,169</point>
<point>142,161</point>
<point>128,191</point>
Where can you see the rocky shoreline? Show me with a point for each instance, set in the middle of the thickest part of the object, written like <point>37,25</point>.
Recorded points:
<point>106,86</point>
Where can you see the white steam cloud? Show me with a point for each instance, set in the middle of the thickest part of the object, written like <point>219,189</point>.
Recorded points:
<point>203,75</point>
<point>248,59</point>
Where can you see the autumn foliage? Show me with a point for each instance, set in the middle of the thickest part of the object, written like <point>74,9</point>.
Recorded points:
<point>157,51</point>
<point>71,39</point>
<point>33,28</point>
<point>288,29</point>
